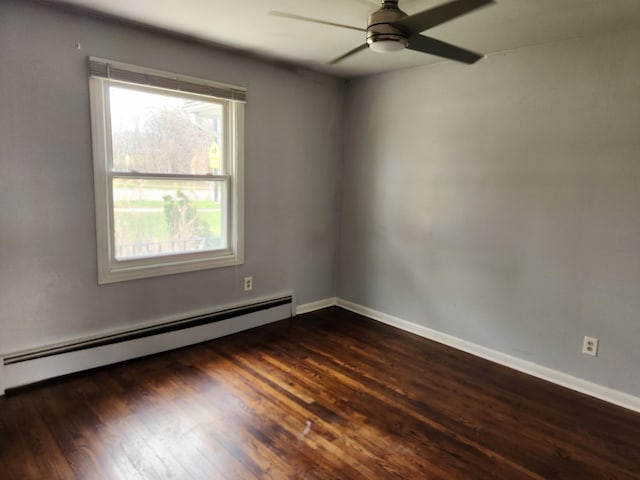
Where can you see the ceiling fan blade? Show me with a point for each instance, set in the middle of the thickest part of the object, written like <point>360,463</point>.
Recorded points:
<point>364,46</point>
<point>422,21</point>
<point>420,43</point>
<point>314,20</point>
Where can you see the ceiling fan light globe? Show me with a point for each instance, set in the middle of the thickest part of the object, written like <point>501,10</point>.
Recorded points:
<point>387,42</point>
<point>387,46</point>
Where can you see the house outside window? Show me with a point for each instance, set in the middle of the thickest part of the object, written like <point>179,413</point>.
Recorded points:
<point>168,158</point>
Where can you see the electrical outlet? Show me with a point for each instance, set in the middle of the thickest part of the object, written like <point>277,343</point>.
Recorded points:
<point>248,284</point>
<point>590,346</point>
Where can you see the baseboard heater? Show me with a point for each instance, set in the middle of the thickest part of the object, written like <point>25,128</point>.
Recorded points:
<point>51,361</point>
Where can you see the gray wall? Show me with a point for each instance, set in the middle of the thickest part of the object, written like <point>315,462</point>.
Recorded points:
<point>500,203</point>
<point>48,279</point>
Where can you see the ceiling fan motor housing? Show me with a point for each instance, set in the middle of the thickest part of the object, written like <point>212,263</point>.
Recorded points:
<point>380,30</point>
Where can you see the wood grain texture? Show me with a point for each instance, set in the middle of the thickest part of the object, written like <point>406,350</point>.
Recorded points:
<point>326,395</point>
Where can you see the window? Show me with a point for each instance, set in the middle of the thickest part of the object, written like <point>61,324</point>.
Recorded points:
<point>168,171</point>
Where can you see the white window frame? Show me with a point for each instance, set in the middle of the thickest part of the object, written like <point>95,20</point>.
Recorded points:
<point>110,269</point>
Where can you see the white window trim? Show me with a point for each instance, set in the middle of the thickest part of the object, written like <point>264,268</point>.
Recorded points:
<point>111,270</point>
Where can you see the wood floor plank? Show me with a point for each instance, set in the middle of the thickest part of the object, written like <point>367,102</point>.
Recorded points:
<point>378,386</point>
<point>358,424</point>
<point>73,428</point>
<point>169,435</point>
<point>440,407</point>
<point>264,400</point>
<point>41,443</point>
<point>326,395</point>
<point>125,435</point>
<point>29,452</point>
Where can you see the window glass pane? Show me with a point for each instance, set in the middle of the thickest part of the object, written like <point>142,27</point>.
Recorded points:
<point>167,217</point>
<point>158,133</point>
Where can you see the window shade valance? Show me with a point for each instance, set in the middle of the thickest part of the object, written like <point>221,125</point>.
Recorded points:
<point>125,73</point>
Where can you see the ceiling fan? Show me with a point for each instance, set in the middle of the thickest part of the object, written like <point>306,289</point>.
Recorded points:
<point>389,29</point>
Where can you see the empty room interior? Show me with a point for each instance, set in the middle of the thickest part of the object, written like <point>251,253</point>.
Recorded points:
<point>320,239</point>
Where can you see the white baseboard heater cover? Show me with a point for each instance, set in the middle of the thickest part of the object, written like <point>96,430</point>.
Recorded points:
<point>48,362</point>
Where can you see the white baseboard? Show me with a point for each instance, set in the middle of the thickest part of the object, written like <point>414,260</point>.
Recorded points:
<point>601,392</point>
<point>22,373</point>
<point>313,306</point>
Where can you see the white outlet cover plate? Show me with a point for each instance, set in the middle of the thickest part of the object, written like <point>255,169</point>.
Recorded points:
<point>590,346</point>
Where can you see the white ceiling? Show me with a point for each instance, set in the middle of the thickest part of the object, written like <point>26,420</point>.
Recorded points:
<point>246,25</point>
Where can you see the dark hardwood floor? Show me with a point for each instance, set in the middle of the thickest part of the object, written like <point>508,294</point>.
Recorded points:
<point>327,395</point>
